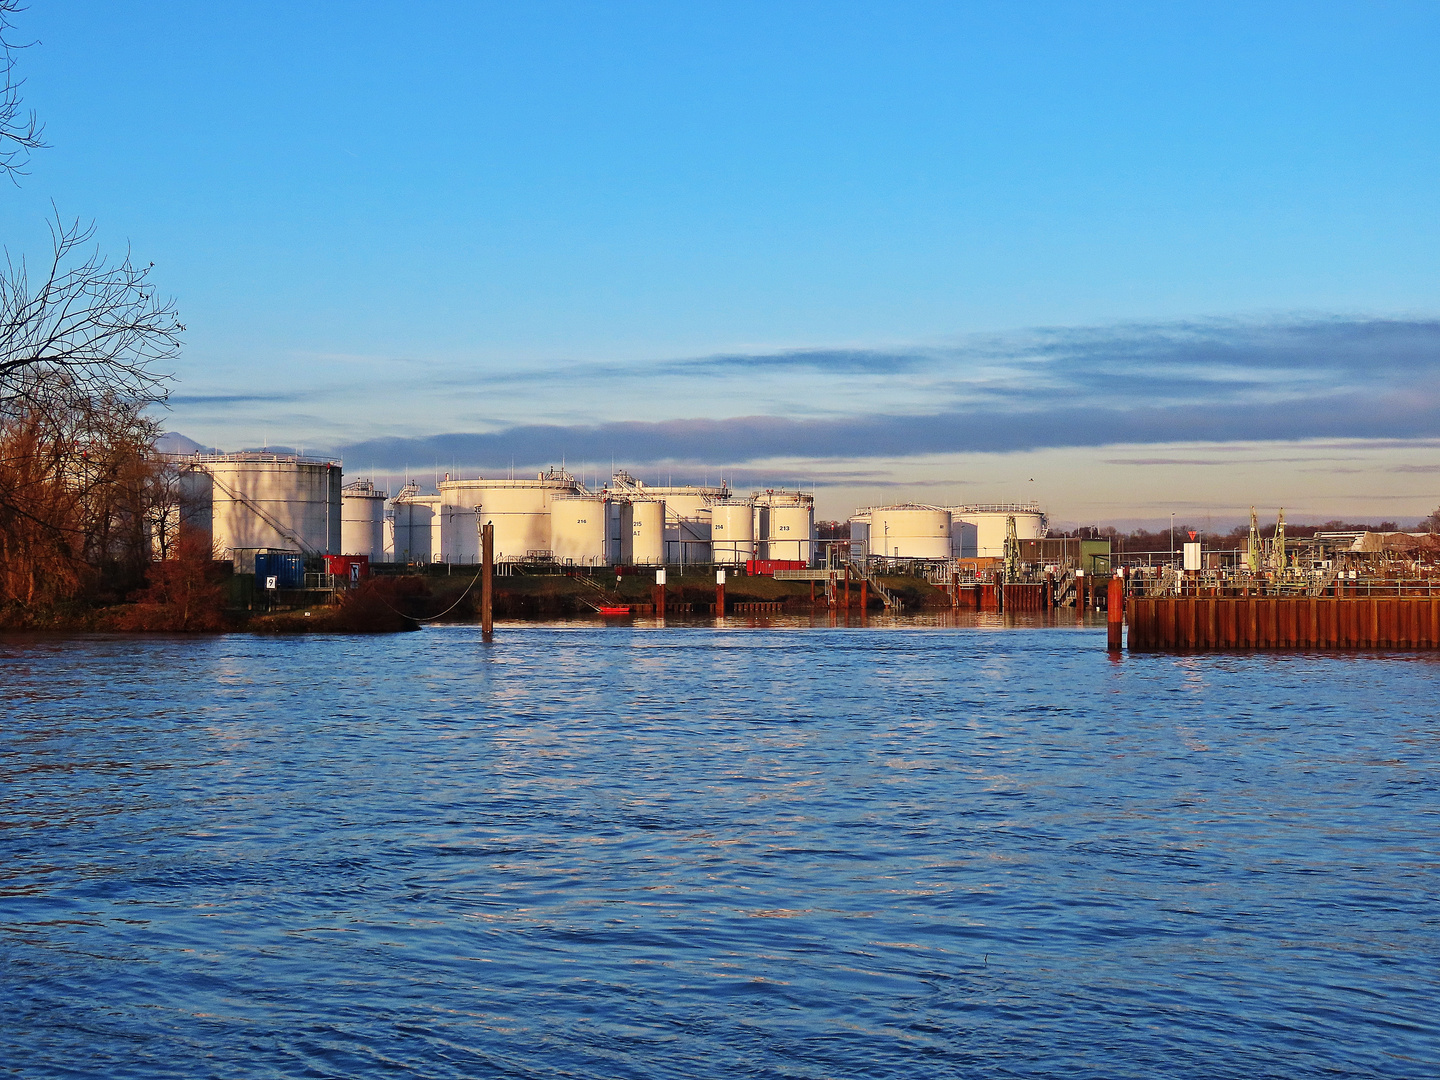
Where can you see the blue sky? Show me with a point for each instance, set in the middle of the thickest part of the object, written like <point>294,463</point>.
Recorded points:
<point>1124,258</point>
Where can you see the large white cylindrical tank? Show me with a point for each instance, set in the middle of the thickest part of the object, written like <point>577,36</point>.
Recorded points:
<point>577,529</point>
<point>988,523</point>
<point>519,510</point>
<point>276,501</point>
<point>642,532</point>
<point>687,522</point>
<point>687,516</point>
<point>860,535</point>
<point>416,527</point>
<point>362,520</point>
<point>785,525</point>
<point>687,536</point>
<point>790,533</point>
<point>459,532</point>
<point>732,531</point>
<point>910,532</point>
<point>964,538</point>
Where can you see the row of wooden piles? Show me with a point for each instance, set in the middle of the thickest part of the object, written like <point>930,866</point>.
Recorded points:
<point>1157,624</point>
<point>1013,596</point>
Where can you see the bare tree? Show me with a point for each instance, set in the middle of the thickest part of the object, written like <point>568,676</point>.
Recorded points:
<point>84,327</point>
<point>84,344</point>
<point>20,132</point>
<point>81,349</point>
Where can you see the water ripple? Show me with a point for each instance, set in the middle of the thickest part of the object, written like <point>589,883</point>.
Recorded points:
<point>714,851</point>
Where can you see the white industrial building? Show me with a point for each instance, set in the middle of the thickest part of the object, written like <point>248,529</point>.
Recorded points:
<point>687,514</point>
<point>286,502</point>
<point>903,531</point>
<point>362,520</point>
<point>519,510</point>
<point>554,517</point>
<point>785,526</point>
<point>978,530</point>
<point>936,533</point>
<point>578,534</point>
<point>261,500</point>
<point>732,531</point>
<point>414,526</point>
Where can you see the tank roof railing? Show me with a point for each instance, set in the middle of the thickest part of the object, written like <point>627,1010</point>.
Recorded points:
<point>896,506</point>
<point>556,483</point>
<point>256,456</point>
<point>366,488</point>
<point>699,490</point>
<point>996,508</point>
<point>793,496</point>
<point>622,481</point>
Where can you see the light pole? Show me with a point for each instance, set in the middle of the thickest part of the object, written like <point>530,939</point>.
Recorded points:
<point>1172,536</point>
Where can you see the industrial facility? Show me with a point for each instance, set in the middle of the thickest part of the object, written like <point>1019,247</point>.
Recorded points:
<point>918,532</point>
<point>292,523</point>
<point>254,503</point>
<point>554,518</point>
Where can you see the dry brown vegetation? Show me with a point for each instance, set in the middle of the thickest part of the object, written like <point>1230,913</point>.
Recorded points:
<point>184,593</point>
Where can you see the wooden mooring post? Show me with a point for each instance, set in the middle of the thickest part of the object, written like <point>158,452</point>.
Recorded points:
<point>719,592</point>
<point>487,585</point>
<point>657,594</point>
<point>1115,614</point>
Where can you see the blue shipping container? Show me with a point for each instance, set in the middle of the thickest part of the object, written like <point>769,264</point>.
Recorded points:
<point>286,567</point>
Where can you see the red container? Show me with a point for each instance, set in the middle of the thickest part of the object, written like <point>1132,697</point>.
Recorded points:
<point>348,567</point>
<point>767,567</point>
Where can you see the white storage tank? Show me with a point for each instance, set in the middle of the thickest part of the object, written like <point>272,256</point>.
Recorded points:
<point>687,535</point>
<point>642,532</point>
<point>860,534</point>
<point>416,524</point>
<point>687,515</point>
<point>687,521</point>
<point>459,532</point>
<point>785,525</point>
<point>362,520</point>
<point>519,510</point>
<point>261,500</point>
<point>964,538</point>
<point>732,531</point>
<point>986,527</point>
<point>910,531</point>
<point>577,529</point>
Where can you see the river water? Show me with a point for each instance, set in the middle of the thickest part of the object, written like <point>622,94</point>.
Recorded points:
<point>908,850</point>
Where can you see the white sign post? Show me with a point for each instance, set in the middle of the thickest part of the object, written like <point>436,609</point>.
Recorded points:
<point>1192,556</point>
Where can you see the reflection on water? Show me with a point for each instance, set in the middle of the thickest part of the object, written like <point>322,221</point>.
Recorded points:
<point>921,847</point>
